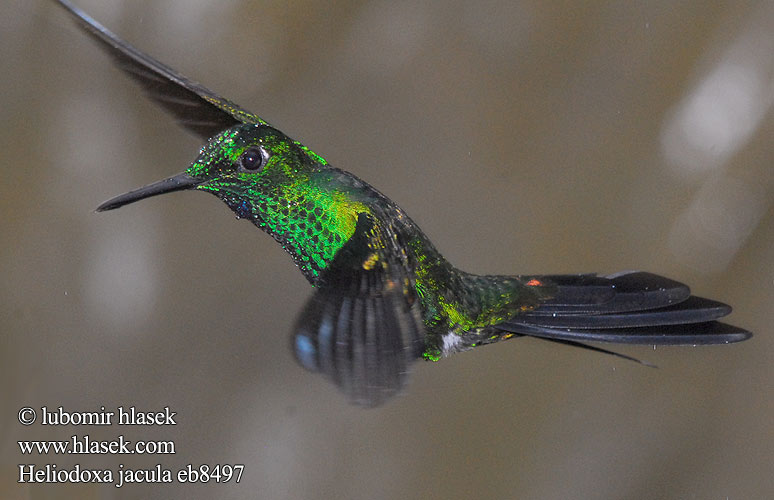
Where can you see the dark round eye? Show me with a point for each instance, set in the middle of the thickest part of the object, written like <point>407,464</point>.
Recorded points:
<point>251,159</point>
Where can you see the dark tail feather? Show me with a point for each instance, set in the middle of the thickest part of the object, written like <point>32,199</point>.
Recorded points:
<point>626,308</point>
<point>600,350</point>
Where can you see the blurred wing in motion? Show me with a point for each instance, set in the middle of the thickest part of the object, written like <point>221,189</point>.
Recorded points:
<point>195,107</point>
<point>362,328</point>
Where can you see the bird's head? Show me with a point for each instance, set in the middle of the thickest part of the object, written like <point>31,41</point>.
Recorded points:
<point>280,185</point>
<point>243,165</point>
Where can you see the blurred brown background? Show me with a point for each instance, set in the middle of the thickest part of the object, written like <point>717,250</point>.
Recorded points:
<point>524,137</point>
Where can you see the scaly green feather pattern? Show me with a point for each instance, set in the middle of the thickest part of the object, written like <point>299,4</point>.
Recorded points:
<point>294,197</point>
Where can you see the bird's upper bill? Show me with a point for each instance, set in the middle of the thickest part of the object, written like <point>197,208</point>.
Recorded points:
<point>177,182</point>
<point>224,147</point>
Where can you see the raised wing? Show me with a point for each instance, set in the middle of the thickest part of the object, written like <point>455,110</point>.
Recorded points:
<point>193,106</point>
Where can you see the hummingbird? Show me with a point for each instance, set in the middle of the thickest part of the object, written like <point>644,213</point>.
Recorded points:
<point>384,296</point>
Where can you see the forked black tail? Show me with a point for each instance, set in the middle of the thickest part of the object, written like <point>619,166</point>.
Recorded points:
<point>626,308</point>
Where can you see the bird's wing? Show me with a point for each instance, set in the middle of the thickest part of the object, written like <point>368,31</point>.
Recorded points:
<point>362,328</point>
<point>626,308</point>
<point>195,107</point>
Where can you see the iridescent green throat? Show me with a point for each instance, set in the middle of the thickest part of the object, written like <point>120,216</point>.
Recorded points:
<point>295,197</point>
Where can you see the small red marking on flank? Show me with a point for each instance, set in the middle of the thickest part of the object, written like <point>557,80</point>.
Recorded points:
<point>534,282</point>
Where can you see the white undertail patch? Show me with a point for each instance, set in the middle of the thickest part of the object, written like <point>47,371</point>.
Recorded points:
<point>451,341</point>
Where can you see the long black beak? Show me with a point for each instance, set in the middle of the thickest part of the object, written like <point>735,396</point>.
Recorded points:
<point>178,182</point>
